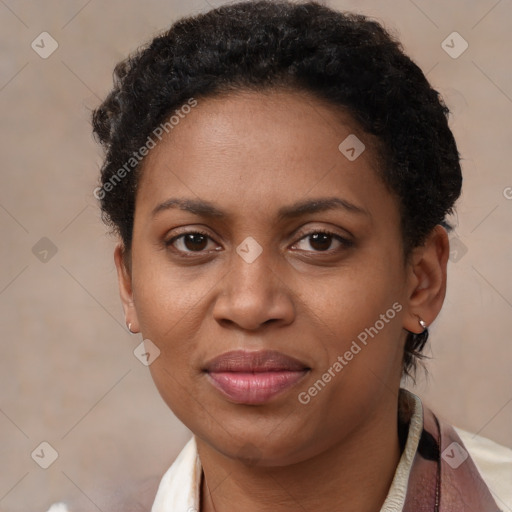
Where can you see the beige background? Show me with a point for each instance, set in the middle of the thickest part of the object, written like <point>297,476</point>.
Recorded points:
<point>68,374</point>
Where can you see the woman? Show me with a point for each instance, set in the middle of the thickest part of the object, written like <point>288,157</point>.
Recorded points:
<point>279,176</point>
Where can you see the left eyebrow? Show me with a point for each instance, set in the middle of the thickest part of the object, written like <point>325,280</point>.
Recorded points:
<point>319,205</point>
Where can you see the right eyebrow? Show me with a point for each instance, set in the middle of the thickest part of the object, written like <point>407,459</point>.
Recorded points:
<point>195,206</point>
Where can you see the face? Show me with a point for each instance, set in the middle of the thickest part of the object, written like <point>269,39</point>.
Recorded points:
<point>268,269</point>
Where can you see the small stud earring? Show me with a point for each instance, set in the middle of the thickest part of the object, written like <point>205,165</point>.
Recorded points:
<point>422,323</point>
<point>130,328</point>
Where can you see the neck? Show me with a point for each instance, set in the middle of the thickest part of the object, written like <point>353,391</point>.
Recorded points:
<point>357,472</point>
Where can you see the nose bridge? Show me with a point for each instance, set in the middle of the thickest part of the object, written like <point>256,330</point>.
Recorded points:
<point>250,267</point>
<point>252,293</point>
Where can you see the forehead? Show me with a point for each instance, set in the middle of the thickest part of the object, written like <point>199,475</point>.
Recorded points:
<point>282,119</point>
<point>262,148</point>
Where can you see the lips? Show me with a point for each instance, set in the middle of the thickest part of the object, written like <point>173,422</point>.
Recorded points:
<point>254,377</point>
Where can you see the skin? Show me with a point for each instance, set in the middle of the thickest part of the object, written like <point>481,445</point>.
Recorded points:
<point>250,154</point>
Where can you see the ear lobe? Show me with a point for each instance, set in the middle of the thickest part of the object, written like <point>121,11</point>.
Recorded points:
<point>427,287</point>
<point>125,288</point>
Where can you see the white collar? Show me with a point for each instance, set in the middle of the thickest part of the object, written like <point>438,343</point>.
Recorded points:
<point>180,486</point>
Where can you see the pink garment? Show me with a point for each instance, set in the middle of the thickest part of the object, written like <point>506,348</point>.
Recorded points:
<point>443,476</point>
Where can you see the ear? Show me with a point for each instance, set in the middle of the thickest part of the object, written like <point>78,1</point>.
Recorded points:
<point>427,280</point>
<point>125,288</point>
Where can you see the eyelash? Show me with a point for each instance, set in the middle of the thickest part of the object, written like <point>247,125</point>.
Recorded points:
<point>345,243</point>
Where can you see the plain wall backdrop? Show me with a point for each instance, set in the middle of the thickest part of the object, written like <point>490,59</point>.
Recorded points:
<point>68,373</point>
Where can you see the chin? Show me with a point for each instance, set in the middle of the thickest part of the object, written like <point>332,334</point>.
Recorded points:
<point>254,445</point>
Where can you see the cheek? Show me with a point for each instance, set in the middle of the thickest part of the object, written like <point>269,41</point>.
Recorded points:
<point>359,313</point>
<point>174,312</point>
<point>167,298</point>
<point>359,310</point>
<point>354,298</point>
<point>165,308</point>
<point>171,312</point>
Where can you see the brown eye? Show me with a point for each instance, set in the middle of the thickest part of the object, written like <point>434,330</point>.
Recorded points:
<point>190,242</point>
<point>195,241</point>
<point>322,241</point>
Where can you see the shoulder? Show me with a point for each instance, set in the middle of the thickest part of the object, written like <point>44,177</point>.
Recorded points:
<point>135,497</point>
<point>58,507</point>
<point>177,490</point>
<point>494,462</point>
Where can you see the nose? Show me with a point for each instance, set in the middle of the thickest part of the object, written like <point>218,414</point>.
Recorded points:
<point>253,295</point>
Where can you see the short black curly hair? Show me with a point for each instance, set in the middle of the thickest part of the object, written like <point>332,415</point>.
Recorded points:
<point>345,59</point>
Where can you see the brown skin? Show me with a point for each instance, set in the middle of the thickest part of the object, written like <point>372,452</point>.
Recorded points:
<point>250,154</point>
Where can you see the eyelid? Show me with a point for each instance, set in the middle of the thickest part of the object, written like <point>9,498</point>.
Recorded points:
<point>304,232</point>
<point>187,229</point>
<point>344,241</point>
